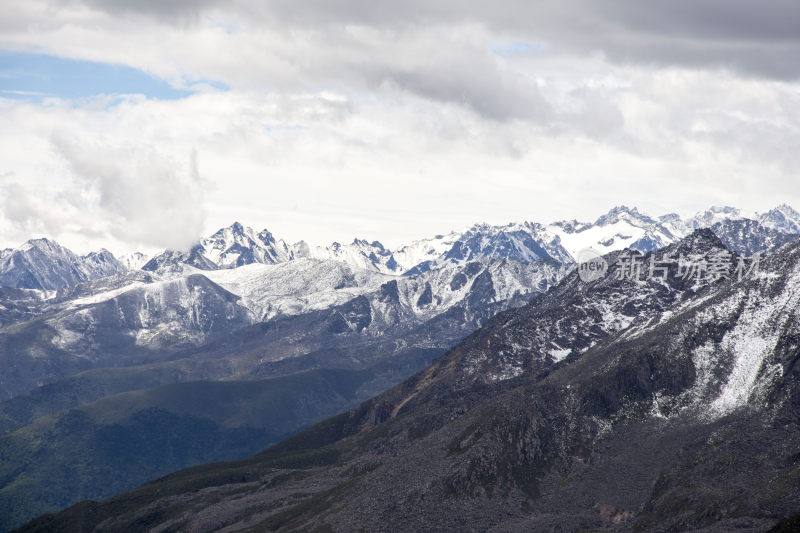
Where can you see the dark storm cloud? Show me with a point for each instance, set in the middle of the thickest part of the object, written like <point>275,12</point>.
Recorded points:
<point>757,38</point>
<point>168,10</point>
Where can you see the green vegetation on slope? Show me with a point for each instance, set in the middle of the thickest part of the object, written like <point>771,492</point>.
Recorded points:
<point>119,442</point>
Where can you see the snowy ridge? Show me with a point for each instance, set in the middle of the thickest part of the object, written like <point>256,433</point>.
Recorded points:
<point>160,314</point>
<point>134,260</point>
<point>230,247</point>
<point>620,228</point>
<point>472,287</point>
<point>714,214</point>
<point>296,287</point>
<point>425,250</point>
<point>782,218</point>
<point>44,264</point>
<point>575,316</point>
<point>237,245</point>
<point>624,227</point>
<point>741,366</point>
<point>359,254</point>
<point>163,312</point>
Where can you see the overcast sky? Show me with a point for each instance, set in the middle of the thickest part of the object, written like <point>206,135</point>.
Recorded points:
<point>143,125</point>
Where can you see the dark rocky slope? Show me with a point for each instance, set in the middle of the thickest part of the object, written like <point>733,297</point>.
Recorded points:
<point>685,418</point>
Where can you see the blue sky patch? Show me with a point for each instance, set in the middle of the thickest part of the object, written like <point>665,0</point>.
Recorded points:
<point>35,76</point>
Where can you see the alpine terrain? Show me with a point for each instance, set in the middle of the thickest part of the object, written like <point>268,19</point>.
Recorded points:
<point>482,383</point>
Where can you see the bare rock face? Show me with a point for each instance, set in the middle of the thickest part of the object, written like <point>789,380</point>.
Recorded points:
<point>675,409</point>
<point>537,400</point>
<point>46,265</point>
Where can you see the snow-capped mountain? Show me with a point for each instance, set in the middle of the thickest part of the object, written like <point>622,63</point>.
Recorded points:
<point>134,260</point>
<point>470,291</point>
<point>470,275</point>
<point>102,264</point>
<point>175,262</point>
<point>295,287</point>
<point>238,245</point>
<point>515,242</point>
<point>782,218</point>
<point>622,227</point>
<point>574,316</point>
<point>141,315</point>
<point>44,264</point>
<point>197,316</point>
<point>748,237</point>
<point>360,254</point>
<point>424,250</point>
<point>714,214</point>
<point>233,246</point>
<point>672,407</point>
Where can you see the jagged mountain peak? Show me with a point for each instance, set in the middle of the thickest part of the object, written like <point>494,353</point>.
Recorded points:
<point>619,210</point>
<point>44,264</point>
<point>782,218</point>
<point>747,236</point>
<point>266,235</point>
<point>237,229</point>
<point>513,241</point>
<point>134,260</point>
<point>42,243</point>
<point>621,227</point>
<point>712,215</point>
<point>228,247</point>
<point>571,226</point>
<point>365,243</point>
<point>101,253</point>
<point>724,209</point>
<point>360,254</point>
<point>670,217</point>
<point>239,245</point>
<point>700,240</point>
<point>628,214</point>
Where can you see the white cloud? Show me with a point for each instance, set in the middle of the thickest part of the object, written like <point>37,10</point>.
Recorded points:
<point>344,119</point>
<point>89,190</point>
<point>138,194</point>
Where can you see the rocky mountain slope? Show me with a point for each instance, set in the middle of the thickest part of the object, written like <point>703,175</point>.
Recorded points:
<point>126,439</point>
<point>681,416</point>
<point>44,264</point>
<point>782,218</point>
<point>749,237</point>
<point>622,227</point>
<point>142,318</point>
<point>166,333</point>
<point>243,306</point>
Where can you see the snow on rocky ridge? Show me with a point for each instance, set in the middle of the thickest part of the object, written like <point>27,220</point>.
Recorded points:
<point>44,264</point>
<point>622,227</point>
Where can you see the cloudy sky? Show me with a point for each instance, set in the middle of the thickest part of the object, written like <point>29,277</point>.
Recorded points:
<point>143,125</point>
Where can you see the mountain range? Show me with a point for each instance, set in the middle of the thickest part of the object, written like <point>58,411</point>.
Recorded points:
<point>219,351</point>
<point>664,403</point>
<point>43,264</point>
